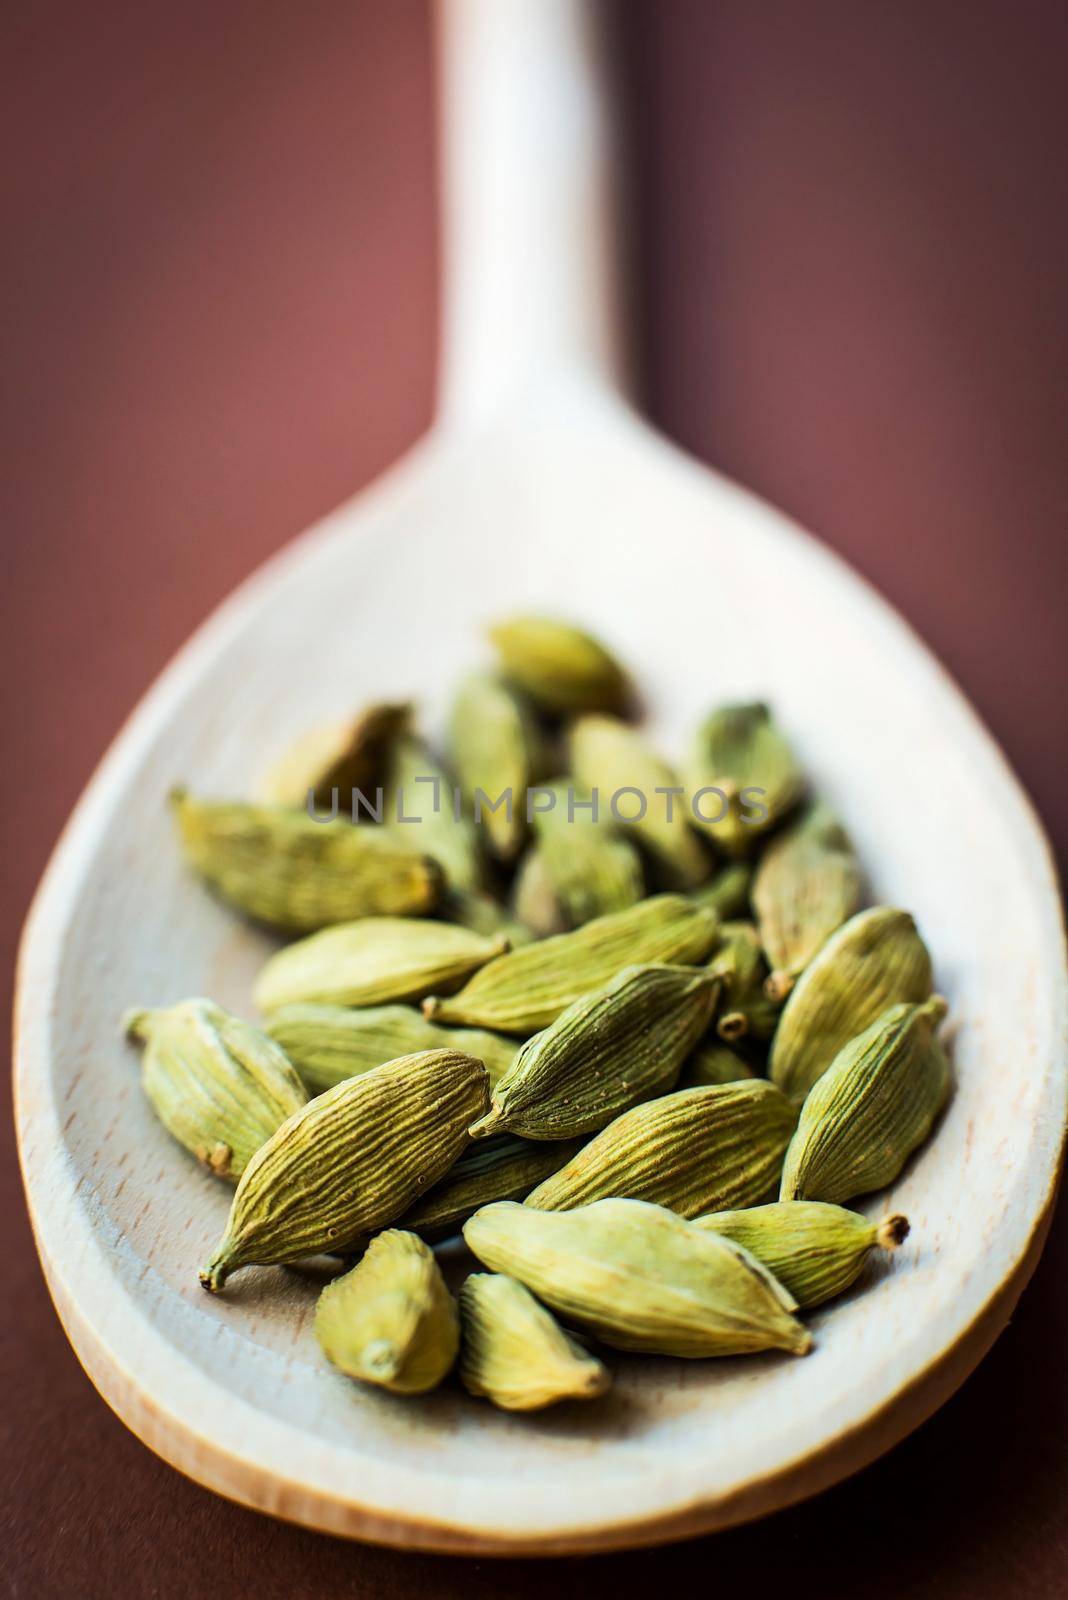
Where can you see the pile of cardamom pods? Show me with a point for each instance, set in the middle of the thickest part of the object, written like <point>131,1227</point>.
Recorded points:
<point>630,1032</point>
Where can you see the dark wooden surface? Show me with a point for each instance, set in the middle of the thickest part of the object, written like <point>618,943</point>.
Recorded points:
<point>218,282</point>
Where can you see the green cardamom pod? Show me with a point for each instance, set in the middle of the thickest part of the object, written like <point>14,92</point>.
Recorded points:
<point>743,777</point>
<point>745,1009</point>
<point>527,989</point>
<point>516,1354</point>
<point>728,893</point>
<point>578,869</point>
<point>345,755</point>
<point>639,790</point>
<point>561,668</point>
<point>692,1151</point>
<point>370,962</point>
<point>807,884</point>
<point>875,960</point>
<point>592,873</point>
<point>351,1161</point>
<point>391,1321</point>
<point>482,914</point>
<point>497,753</point>
<point>328,1044</point>
<point>504,1168</point>
<point>713,1063</point>
<point>419,800</point>
<point>874,1106</point>
<point>220,1087</point>
<point>284,869</point>
<point>613,1047</point>
<point>816,1251</point>
<point>640,1278</point>
<point>534,898</point>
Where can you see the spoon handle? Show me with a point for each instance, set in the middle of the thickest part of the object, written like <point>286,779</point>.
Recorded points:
<point>532,297</point>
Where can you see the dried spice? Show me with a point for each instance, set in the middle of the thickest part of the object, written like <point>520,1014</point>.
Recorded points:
<point>350,1161</point>
<point>328,1044</point>
<point>874,960</point>
<point>370,962</point>
<point>640,1278</point>
<point>874,1106</point>
<point>503,1168</point>
<point>391,1321</point>
<point>807,884</point>
<point>614,1047</point>
<point>815,1250</point>
<point>636,788</point>
<point>516,1354</point>
<point>743,777</point>
<point>220,1087</point>
<point>498,754</point>
<point>527,989</point>
<point>563,669</point>
<point>693,1151</point>
<point>290,872</point>
<point>346,755</point>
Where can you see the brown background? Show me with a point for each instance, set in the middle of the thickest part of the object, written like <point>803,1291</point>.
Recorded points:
<point>218,287</point>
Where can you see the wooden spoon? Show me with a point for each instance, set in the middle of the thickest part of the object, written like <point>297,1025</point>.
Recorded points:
<point>539,487</point>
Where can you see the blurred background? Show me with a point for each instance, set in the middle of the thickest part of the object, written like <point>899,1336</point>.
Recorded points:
<point>219,276</point>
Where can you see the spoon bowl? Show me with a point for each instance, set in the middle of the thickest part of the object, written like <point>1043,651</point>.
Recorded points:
<point>540,490</point>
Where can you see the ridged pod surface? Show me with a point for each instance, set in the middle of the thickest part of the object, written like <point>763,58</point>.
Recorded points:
<point>527,989</point>
<point>728,893</point>
<point>873,1107</point>
<point>483,914</point>
<point>692,1151</point>
<point>577,870</point>
<point>609,756</point>
<point>816,1250</point>
<point>745,1010</point>
<point>515,1353</point>
<point>370,962</point>
<point>419,790</point>
<point>218,1086</point>
<point>328,1044</point>
<point>281,868</point>
<point>640,1278</point>
<point>714,1063</point>
<point>495,748</point>
<point>535,900</point>
<point>740,748</point>
<point>561,668</point>
<point>351,1161</point>
<point>391,1321</point>
<point>348,754</point>
<point>807,884</point>
<point>875,960</point>
<point>504,1168</point>
<point>610,1049</point>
